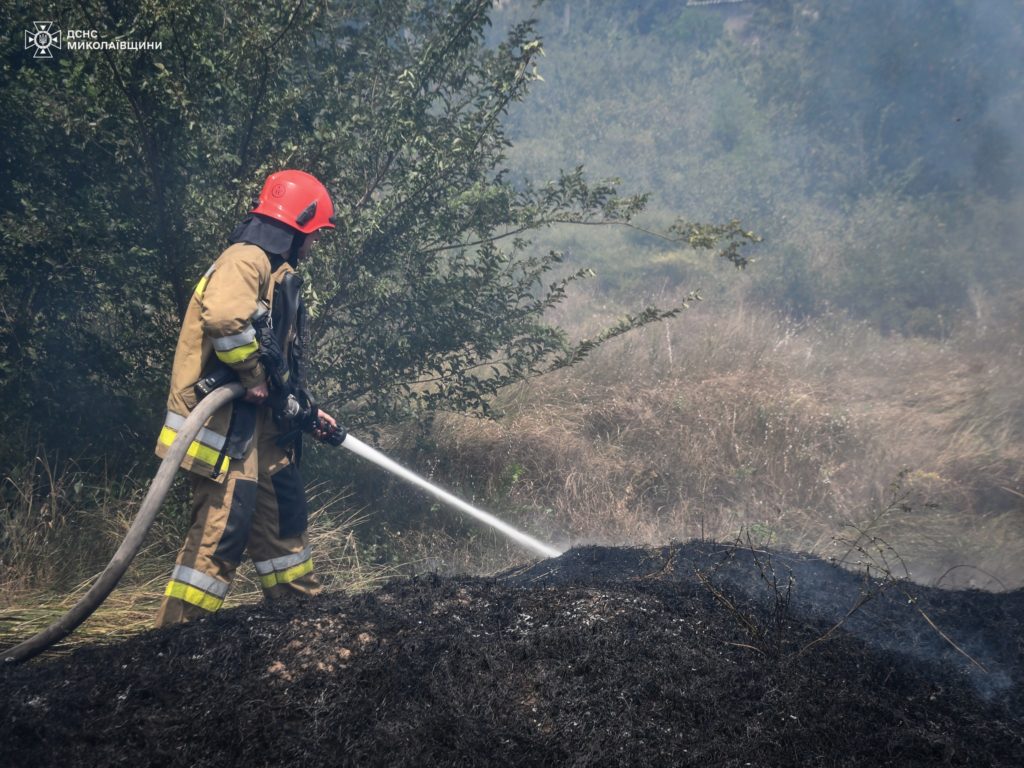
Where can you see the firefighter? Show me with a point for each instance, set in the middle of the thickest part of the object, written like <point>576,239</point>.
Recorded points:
<point>247,493</point>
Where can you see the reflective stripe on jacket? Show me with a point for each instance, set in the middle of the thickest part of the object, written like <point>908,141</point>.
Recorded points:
<point>218,327</point>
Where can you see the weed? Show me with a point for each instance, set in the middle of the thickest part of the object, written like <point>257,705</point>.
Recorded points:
<point>765,624</point>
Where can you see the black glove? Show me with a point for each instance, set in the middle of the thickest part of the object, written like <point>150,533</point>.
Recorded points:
<point>328,433</point>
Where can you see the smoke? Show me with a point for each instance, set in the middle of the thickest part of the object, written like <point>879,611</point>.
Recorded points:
<point>997,29</point>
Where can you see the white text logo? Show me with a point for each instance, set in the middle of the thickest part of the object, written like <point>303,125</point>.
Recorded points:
<point>47,35</point>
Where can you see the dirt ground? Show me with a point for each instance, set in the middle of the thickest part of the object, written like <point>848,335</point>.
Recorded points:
<point>692,654</point>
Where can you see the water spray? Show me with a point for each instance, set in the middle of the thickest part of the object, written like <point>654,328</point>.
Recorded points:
<point>331,434</point>
<point>360,448</point>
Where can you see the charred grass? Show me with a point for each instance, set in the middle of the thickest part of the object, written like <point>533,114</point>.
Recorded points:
<point>604,656</point>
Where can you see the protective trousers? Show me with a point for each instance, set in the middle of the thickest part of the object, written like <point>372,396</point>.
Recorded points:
<point>259,507</point>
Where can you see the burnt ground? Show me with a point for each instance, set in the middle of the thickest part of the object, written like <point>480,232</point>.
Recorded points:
<point>693,654</point>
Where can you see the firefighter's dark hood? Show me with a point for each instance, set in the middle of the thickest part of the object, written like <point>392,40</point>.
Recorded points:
<point>272,236</point>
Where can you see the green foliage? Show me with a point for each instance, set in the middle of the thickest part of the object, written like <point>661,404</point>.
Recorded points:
<point>694,29</point>
<point>122,165</point>
<point>128,168</point>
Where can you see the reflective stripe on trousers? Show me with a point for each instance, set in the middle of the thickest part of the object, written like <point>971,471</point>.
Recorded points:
<point>284,570</point>
<point>197,588</point>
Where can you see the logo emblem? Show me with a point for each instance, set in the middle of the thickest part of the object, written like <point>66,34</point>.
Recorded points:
<point>45,37</point>
<point>278,190</point>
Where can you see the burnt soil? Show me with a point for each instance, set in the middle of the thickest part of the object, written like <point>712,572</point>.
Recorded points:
<point>693,654</point>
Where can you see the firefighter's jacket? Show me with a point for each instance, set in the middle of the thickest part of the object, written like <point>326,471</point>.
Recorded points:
<point>218,326</point>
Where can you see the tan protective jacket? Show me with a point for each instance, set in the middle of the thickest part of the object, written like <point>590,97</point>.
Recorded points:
<point>218,326</point>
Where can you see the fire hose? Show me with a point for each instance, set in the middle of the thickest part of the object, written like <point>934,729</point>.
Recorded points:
<point>158,488</point>
<point>132,543</point>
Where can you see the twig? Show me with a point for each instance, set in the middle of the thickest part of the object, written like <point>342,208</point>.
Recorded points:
<point>946,637</point>
<point>669,563</point>
<point>965,565</point>
<point>864,598</point>
<point>717,594</point>
<point>751,647</point>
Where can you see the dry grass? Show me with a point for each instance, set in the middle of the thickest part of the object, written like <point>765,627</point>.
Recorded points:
<point>736,422</point>
<point>41,517</point>
<point>48,541</point>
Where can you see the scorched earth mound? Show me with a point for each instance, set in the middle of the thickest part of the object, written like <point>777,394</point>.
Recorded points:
<point>693,654</point>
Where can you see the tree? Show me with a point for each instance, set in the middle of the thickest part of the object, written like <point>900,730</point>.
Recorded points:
<point>128,168</point>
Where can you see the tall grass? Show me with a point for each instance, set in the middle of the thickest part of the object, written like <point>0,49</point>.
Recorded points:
<point>61,524</point>
<point>738,421</point>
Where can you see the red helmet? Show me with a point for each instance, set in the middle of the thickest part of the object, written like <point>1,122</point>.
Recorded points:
<point>297,199</point>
